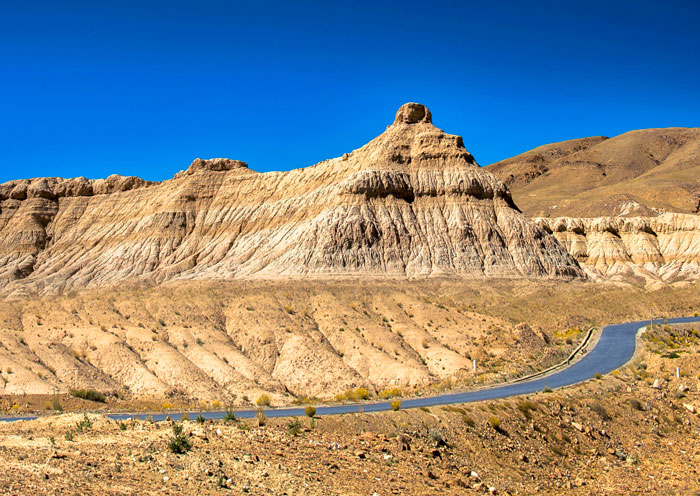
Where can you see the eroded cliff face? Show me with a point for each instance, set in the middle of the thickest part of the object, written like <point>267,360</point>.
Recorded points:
<point>661,249</point>
<point>411,203</point>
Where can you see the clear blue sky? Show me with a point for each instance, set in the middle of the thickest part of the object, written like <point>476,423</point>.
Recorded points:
<point>142,88</point>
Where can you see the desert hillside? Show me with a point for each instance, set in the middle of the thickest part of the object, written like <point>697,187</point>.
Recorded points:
<point>639,173</point>
<point>410,203</point>
<point>630,432</point>
<point>194,343</point>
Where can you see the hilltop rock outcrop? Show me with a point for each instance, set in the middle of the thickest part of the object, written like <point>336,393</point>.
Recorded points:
<point>411,203</point>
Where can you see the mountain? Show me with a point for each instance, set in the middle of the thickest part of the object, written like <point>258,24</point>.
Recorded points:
<point>413,202</point>
<point>642,172</point>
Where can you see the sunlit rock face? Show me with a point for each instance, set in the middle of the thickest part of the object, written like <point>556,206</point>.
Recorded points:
<point>413,202</point>
<point>664,248</point>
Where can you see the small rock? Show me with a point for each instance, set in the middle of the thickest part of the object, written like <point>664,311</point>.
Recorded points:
<point>435,453</point>
<point>474,475</point>
<point>166,478</point>
<point>683,389</point>
<point>360,454</point>
<point>689,407</point>
<point>430,475</point>
<point>657,384</point>
<point>577,426</point>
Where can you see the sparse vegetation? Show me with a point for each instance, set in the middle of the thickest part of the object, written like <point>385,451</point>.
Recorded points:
<point>89,394</point>
<point>294,427</point>
<point>84,425</point>
<point>526,407</point>
<point>358,394</point>
<point>263,400</point>
<point>261,417</point>
<point>396,405</point>
<point>230,415</point>
<point>179,443</point>
<point>390,393</point>
<point>310,411</point>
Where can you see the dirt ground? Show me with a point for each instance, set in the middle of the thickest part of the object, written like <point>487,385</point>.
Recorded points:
<point>634,431</point>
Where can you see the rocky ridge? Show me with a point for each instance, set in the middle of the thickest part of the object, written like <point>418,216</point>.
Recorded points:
<point>413,202</point>
<point>665,248</point>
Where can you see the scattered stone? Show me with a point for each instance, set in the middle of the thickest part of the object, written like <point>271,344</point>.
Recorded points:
<point>689,407</point>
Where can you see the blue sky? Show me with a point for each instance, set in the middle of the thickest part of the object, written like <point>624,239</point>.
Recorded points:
<point>142,88</point>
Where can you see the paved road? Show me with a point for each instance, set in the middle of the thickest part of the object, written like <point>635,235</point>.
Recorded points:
<point>614,348</point>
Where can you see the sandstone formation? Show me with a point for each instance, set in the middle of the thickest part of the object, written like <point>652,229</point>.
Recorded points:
<point>652,249</point>
<point>411,203</point>
<point>639,173</point>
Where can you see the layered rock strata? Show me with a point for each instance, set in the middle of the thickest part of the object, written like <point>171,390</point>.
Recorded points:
<point>662,248</point>
<point>413,202</point>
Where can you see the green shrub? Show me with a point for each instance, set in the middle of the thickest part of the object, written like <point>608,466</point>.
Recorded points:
<point>88,394</point>
<point>230,416</point>
<point>179,443</point>
<point>310,411</point>
<point>69,436</point>
<point>84,424</point>
<point>396,405</point>
<point>294,427</point>
<point>200,419</point>
<point>547,389</point>
<point>263,400</point>
<point>495,422</point>
<point>598,375</point>
<point>436,436</point>
<point>122,426</point>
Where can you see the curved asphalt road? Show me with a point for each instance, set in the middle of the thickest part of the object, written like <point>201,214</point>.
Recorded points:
<point>615,347</point>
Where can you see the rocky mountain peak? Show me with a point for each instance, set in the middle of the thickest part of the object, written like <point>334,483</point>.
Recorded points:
<point>412,113</point>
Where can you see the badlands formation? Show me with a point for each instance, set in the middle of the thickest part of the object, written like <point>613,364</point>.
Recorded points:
<point>625,207</point>
<point>647,251</point>
<point>413,202</point>
<point>222,283</point>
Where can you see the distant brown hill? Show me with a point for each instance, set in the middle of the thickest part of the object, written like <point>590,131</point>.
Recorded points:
<point>636,173</point>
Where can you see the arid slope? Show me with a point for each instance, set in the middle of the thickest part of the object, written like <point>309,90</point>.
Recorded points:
<point>636,173</point>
